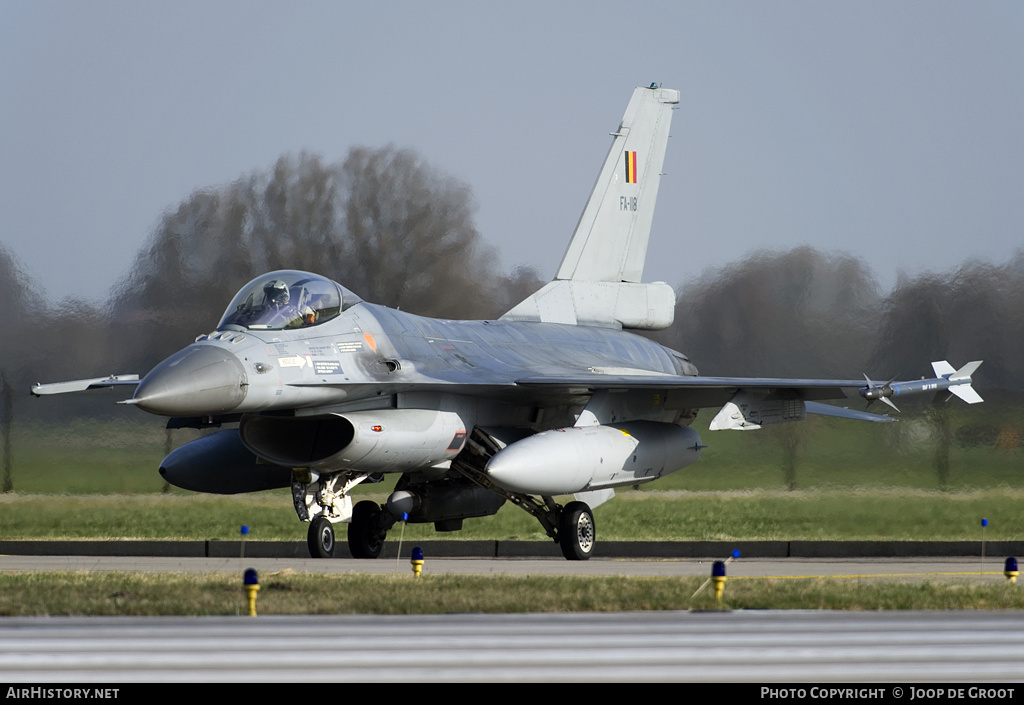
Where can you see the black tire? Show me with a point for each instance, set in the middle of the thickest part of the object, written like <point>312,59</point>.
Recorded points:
<point>321,538</point>
<point>576,534</point>
<point>365,539</point>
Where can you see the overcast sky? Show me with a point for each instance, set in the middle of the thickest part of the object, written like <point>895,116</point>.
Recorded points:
<point>893,131</point>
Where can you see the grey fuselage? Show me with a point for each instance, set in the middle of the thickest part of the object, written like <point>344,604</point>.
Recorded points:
<point>371,356</point>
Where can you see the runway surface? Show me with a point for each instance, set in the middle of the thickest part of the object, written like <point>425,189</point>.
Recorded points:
<point>883,568</point>
<point>755,646</point>
<point>900,648</point>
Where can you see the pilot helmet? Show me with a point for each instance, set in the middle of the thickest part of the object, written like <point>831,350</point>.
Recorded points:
<point>276,292</point>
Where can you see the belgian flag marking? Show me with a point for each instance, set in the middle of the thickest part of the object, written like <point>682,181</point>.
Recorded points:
<point>630,167</point>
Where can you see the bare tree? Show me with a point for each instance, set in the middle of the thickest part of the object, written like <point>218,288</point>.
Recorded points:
<point>21,308</point>
<point>798,313</point>
<point>411,242</point>
<point>382,222</point>
<point>970,313</point>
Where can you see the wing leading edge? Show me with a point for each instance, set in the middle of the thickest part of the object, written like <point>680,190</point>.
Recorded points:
<point>750,402</point>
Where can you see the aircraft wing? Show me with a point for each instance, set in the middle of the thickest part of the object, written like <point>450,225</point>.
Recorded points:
<point>813,388</point>
<point>80,385</point>
<point>749,402</point>
<point>746,402</point>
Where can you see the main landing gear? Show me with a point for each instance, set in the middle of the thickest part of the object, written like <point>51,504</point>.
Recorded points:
<point>365,537</point>
<point>576,531</point>
<point>571,526</point>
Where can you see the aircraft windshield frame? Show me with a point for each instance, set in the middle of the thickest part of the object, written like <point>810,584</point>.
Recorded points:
<point>286,300</point>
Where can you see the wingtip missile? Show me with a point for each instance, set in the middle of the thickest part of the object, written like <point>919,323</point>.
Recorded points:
<point>948,378</point>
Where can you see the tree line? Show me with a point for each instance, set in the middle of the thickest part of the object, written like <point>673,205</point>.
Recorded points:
<point>807,313</point>
<point>398,232</point>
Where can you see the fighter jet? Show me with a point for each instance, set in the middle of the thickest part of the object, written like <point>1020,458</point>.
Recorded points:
<point>556,401</point>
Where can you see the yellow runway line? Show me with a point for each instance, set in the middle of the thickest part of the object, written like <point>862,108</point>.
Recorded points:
<point>872,576</point>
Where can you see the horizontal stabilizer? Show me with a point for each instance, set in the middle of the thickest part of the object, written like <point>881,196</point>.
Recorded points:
<point>820,409</point>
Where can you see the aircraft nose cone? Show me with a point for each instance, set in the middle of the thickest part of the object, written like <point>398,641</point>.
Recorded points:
<point>200,380</point>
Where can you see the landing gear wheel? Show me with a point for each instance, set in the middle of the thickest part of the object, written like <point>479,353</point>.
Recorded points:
<point>576,531</point>
<point>365,540</point>
<point>321,538</point>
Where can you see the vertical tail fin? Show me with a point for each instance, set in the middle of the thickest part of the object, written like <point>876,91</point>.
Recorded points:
<point>599,280</point>
<point>610,242</point>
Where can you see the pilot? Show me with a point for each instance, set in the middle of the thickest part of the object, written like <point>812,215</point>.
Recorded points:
<point>278,301</point>
<point>276,293</point>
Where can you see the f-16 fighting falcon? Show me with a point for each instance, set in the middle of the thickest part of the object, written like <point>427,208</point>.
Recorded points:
<point>318,390</point>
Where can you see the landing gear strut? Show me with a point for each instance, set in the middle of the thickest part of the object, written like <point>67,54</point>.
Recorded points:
<point>571,526</point>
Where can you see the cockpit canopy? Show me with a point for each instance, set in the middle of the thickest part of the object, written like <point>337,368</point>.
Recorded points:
<point>287,299</point>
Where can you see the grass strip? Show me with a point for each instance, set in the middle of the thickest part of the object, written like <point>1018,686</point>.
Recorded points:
<point>135,593</point>
<point>118,452</point>
<point>829,515</point>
